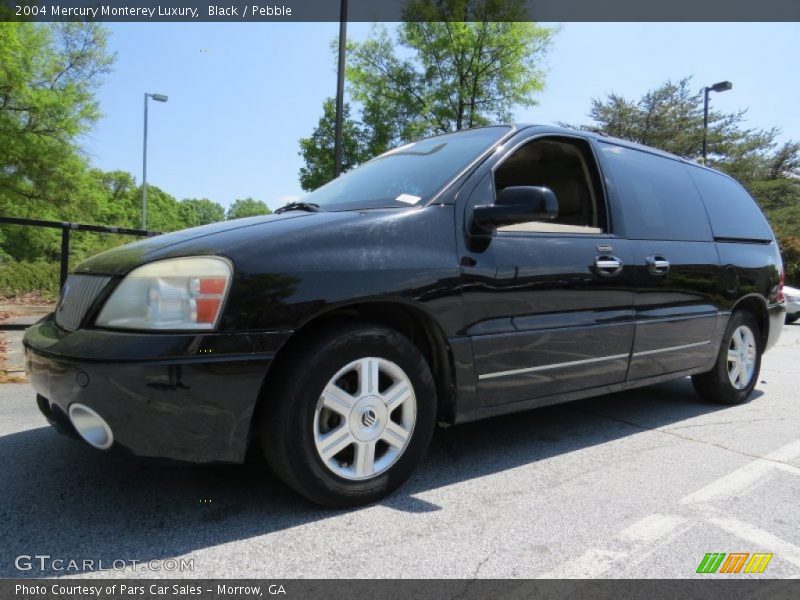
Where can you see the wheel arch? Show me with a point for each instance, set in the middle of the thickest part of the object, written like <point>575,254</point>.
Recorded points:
<point>756,305</point>
<point>407,318</point>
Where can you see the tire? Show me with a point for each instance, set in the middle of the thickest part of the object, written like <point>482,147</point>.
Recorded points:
<point>320,392</point>
<point>792,318</point>
<point>717,385</point>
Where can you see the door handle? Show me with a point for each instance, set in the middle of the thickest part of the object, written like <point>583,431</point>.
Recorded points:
<point>657,265</point>
<point>607,265</point>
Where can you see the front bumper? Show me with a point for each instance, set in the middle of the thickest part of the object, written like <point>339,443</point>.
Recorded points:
<point>175,396</point>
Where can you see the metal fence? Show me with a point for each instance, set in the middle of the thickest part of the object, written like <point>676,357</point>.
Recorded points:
<point>66,228</point>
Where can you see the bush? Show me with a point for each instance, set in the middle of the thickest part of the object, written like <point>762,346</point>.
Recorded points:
<point>41,277</point>
<point>790,250</point>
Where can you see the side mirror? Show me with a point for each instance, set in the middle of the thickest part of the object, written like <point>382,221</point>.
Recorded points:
<point>516,204</point>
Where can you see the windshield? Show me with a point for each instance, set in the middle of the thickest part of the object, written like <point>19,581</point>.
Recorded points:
<point>408,175</point>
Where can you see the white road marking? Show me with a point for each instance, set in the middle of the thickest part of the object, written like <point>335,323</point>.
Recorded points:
<point>786,453</point>
<point>651,528</point>
<point>748,476</point>
<point>787,468</point>
<point>780,548</point>
<point>591,564</point>
<point>637,540</point>
<point>736,482</point>
<point>646,535</point>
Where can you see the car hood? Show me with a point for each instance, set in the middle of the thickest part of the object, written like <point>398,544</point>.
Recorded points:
<point>214,239</point>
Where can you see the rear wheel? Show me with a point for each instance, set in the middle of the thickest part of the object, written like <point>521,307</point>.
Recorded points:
<point>351,416</point>
<point>735,373</point>
<point>792,318</point>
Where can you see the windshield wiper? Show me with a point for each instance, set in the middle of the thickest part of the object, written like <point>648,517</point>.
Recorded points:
<point>306,206</point>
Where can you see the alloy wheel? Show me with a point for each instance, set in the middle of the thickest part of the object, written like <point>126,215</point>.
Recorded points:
<point>364,418</point>
<point>742,353</point>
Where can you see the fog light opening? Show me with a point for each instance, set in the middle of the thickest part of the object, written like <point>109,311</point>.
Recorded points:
<point>91,426</point>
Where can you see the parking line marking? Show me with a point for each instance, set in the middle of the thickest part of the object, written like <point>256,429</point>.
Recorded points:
<point>780,548</point>
<point>637,540</point>
<point>747,476</point>
<point>591,564</point>
<point>651,528</point>
<point>787,468</point>
<point>785,453</point>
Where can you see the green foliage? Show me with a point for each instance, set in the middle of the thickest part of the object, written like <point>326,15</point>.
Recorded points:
<point>790,249</point>
<point>247,207</point>
<point>48,75</point>
<point>120,199</point>
<point>317,150</point>
<point>163,211</point>
<point>453,64</point>
<point>200,211</point>
<point>21,277</point>
<point>48,78</point>
<point>671,118</point>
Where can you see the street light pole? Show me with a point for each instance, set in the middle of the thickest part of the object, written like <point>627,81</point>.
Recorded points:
<point>157,98</point>
<point>337,134</point>
<point>144,168</point>
<point>722,86</point>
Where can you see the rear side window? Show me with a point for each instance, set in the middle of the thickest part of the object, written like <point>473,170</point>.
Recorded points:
<point>658,199</point>
<point>733,213</point>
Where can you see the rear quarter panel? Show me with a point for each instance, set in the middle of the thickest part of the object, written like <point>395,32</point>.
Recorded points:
<point>750,269</point>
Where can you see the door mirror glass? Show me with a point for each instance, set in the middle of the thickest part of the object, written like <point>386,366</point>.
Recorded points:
<point>516,204</point>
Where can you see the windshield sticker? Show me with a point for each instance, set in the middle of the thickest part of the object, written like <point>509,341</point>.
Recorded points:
<point>410,199</point>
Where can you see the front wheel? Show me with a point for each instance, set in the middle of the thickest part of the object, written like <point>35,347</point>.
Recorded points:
<point>735,373</point>
<point>792,318</point>
<point>351,415</point>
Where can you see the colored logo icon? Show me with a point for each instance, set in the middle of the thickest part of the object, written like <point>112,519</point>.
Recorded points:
<point>734,562</point>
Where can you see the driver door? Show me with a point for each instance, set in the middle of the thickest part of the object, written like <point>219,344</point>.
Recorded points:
<point>549,305</point>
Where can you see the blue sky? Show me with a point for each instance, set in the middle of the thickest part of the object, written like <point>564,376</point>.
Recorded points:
<point>241,95</point>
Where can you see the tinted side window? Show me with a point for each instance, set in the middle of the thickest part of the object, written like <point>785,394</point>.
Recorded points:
<point>659,201</point>
<point>733,213</point>
<point>566,166</point>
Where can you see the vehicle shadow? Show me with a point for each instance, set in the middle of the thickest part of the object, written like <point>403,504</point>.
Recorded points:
<point>63,499</point>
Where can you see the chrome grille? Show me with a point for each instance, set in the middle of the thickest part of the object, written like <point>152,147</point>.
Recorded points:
<point>78,294</point>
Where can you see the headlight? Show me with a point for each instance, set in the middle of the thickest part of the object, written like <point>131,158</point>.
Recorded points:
<point>177,293</point>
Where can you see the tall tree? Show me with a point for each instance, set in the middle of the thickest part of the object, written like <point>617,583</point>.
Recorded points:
<point>670,117</point>
<point>117,203</point>
<point>200,211</point>
<point>163,209</point>
<point>317,150</point>
<point>48,75</point>
<point>451,72</point>
<point>451,65</point>
<point>247,207</point>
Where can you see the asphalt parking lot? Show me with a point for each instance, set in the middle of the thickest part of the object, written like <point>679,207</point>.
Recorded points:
<point>636,484</point>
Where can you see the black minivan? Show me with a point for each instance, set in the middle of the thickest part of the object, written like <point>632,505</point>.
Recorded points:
<point>466,275</point>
